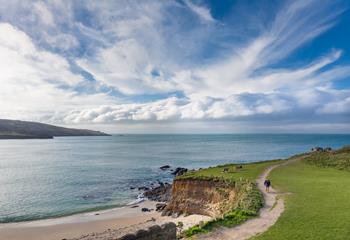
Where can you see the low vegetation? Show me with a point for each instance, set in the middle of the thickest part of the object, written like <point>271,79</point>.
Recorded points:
<point>249,202</point>
<point>249,199</point>
<point>339,159</point>
<point>318,206</point>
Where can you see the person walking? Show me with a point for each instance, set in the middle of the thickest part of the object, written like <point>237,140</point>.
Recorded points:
<point>267,184</point>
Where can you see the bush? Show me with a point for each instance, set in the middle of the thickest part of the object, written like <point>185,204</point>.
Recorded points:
<point>339,159</point>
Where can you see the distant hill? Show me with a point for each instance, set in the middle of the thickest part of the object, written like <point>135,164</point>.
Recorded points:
<point>14,129</point>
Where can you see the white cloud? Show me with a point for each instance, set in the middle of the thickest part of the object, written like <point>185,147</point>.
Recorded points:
<point>127,67</point>
<point>340,104</point>
<point>44,13</point>
<point>201,11</point>
<point>179,109</point>
<point>36,82</point>
<point>153,47</point>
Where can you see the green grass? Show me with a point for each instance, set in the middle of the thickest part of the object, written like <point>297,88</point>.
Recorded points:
<point>319,206</point>
<point>248,172</point>
<point>249,198</point>
<point>231,219</point>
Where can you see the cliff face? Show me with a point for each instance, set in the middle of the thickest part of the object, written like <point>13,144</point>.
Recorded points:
<point>207,197</point>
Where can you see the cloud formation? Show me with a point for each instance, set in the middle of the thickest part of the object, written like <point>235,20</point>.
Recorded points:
<point>78,62</point>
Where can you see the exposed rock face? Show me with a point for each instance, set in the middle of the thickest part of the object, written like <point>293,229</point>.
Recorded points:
<point>197,196</point>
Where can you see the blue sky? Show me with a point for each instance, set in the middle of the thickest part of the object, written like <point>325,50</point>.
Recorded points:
<point>177,66</point>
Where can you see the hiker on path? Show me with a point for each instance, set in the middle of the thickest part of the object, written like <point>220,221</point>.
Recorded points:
<point>267,184</point>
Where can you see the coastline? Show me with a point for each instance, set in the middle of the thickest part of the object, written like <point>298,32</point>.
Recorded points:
<point>120,220</point>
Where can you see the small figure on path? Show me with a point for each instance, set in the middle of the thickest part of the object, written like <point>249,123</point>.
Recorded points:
<point>267,184</point>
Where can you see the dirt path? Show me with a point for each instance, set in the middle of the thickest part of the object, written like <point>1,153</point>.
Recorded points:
<point>268,215</point>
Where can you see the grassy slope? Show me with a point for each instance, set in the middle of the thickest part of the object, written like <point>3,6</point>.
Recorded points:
<point>250,203</point>
<point>319,207</point>
<point>249,171</point>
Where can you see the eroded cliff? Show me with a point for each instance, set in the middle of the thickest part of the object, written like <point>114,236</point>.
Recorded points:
<point>211,197</point>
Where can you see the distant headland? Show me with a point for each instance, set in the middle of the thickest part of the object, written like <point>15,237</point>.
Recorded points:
<point>15,129</point>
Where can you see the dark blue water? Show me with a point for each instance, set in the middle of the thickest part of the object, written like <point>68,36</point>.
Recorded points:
<point>48,178</point>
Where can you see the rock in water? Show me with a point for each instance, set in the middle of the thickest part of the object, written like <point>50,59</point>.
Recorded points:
<point>165,167</point>
<point>160,194</point>
<point>179,171</point>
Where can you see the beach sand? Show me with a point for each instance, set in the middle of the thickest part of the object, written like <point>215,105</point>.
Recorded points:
<point>93,225</point>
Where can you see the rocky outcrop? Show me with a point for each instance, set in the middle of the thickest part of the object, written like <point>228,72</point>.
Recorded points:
<point>165,232</point>
<point>179,171</point>
<point>160,193</point>
<point>201,196</point>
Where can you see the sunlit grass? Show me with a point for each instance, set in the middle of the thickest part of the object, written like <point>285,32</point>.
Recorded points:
<point>319,206</point>
<point>248,171</point>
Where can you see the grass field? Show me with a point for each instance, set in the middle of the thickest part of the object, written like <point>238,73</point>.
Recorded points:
<point>319,204</point>
<point>248,171</point>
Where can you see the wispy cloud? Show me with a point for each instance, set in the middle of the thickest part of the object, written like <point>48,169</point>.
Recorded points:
<point>202,11</point>
<point>91,62</point>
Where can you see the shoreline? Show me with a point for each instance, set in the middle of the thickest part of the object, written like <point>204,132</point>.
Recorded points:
<point>75,217</point>
<point>121,220</point>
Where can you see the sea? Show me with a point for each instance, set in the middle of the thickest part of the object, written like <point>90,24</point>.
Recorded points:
<point>66,175</point>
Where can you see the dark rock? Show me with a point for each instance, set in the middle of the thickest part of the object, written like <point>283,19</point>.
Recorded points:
<point>160,194</point>
<point>151,220</point>
<point>143,188</point>
<point>165,167</point>
<point>155,228</point>
<point>317,149</point>
<point>328,149</point>
<point>160,183</point>
<point>145,210</point>
<point>128,237</point>
<point>164,213</point>
<point>160,206</point>
<point>179,171</point>
<point>141,233</point>
<point>132,188</point>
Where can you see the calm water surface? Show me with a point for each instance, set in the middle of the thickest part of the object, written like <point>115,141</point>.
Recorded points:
<point>48,178</point>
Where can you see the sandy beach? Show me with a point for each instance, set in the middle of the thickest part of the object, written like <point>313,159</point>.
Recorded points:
<point>93,225</point>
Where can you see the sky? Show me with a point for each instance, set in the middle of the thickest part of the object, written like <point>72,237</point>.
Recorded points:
<point>177,66</point>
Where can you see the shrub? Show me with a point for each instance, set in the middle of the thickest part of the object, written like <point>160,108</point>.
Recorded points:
<point>339,159</point>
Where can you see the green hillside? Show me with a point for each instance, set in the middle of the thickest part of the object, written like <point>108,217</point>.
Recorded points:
<point>14,129</point>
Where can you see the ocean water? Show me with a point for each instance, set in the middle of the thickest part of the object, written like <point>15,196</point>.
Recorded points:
<point>66,175</point>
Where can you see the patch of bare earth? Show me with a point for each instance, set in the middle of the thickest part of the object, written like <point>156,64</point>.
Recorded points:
<point>268,215</point>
